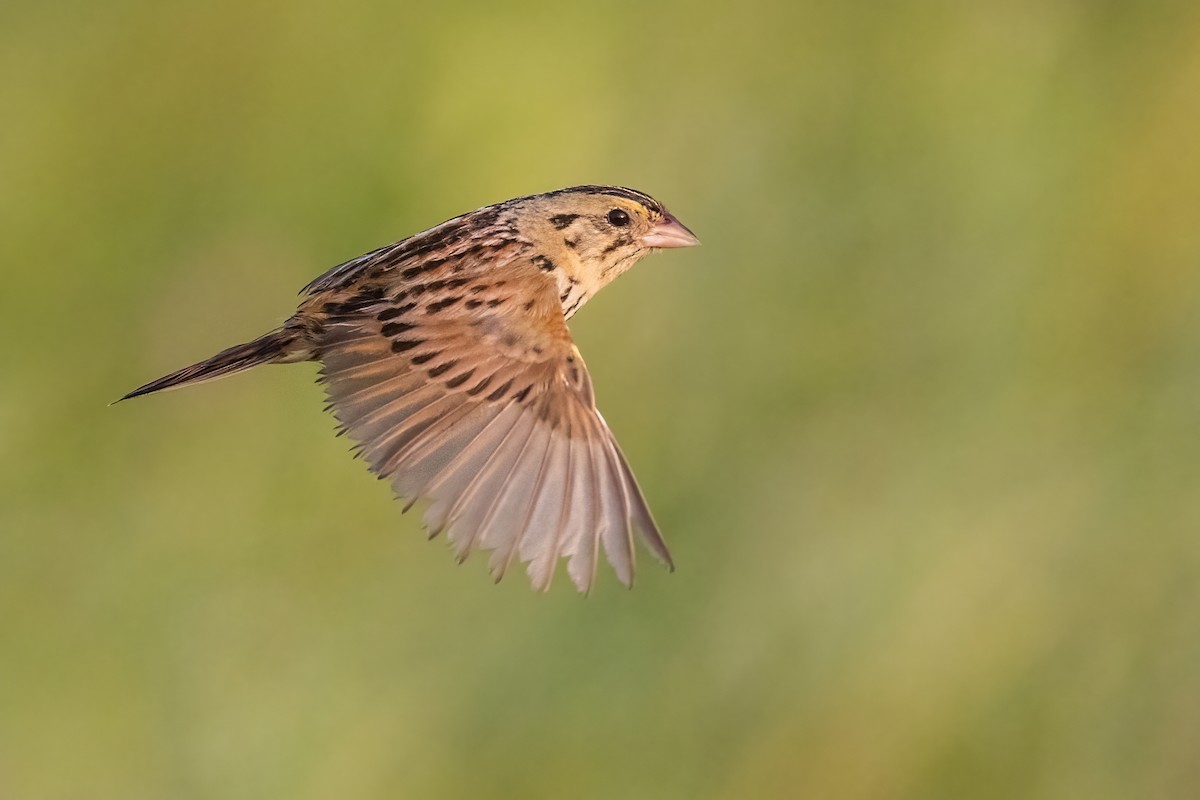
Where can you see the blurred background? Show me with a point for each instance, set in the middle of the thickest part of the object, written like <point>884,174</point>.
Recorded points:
<point>919,419</point>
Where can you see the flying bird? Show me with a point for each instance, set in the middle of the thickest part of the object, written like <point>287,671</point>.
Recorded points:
<point>446,357</point>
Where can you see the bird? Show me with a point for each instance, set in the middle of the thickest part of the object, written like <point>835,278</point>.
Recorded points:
<point>447,359</point>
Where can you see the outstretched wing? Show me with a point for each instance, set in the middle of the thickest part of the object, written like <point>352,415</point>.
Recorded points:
<point>469,393</point>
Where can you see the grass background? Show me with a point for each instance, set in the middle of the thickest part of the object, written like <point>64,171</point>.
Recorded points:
<point>919,420</point>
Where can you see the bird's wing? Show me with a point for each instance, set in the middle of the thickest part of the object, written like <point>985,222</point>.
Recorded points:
<point>470,394</point>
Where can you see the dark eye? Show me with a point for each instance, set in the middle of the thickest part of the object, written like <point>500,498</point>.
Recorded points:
<point>618,218</point>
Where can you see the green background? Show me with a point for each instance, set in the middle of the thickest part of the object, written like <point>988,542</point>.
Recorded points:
<point>919,420</point>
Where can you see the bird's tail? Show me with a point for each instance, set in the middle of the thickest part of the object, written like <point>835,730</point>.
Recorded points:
<point>278,346</point>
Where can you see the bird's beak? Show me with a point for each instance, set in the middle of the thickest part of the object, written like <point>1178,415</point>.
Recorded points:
<point>670,232</point>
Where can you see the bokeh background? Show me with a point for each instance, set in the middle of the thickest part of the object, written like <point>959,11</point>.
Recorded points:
<point>919,419</point>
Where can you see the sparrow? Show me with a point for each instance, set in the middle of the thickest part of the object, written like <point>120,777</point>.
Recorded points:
<point>446,357</point>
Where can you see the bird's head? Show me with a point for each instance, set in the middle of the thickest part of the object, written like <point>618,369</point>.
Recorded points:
<point>594,233</point>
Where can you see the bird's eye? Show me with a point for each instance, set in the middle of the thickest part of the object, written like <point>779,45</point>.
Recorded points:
<point>618,218</point>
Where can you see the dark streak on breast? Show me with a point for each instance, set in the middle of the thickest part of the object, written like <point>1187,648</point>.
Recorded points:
<point>543,263</point>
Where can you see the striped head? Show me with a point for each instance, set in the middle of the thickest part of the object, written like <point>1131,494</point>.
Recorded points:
<point>588,235</point>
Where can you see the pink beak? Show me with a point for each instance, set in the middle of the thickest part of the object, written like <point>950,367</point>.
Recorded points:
<point>669,233</point>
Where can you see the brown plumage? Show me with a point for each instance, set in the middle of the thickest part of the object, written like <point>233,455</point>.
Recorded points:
<point>446,356</point>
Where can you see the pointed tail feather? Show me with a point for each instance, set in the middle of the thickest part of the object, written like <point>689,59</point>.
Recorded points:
<point>274,347</point>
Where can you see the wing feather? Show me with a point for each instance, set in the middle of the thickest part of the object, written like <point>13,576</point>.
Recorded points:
<point>618,539</point>
<point>521,493</point>
<point>584,537</point>
<point>472,517</point>
<point>544,533</point>
<point>474,398</point>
